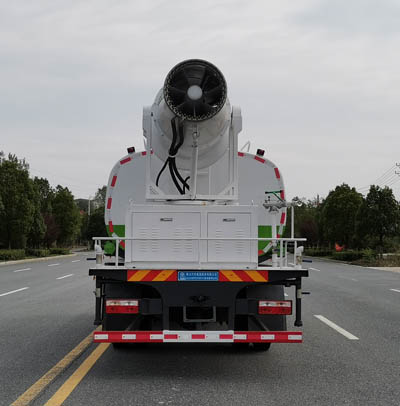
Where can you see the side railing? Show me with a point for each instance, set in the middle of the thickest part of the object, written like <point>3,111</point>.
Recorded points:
<point>280,261</point>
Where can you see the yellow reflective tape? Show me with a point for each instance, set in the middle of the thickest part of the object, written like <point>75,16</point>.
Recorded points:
<point>231,276</point>
<point>139,275</point>
<point>163,275</point>
<point>257,277</point>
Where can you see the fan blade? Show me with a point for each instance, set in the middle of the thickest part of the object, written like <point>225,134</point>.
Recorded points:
<point>214,95</point>
<point>177,95</point>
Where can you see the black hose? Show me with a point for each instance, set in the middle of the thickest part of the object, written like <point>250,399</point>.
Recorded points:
<point>171,162</point>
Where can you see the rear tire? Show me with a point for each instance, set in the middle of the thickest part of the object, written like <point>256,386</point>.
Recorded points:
<point>261,346</point>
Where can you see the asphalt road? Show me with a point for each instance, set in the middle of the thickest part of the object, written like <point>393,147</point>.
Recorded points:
<point>357,365</point>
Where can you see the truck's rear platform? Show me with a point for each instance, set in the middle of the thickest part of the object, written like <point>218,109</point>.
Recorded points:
<point>219,306</point>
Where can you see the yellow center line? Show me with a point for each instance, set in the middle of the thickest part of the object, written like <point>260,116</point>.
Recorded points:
<point>31,393</point>
<point>71,383</point>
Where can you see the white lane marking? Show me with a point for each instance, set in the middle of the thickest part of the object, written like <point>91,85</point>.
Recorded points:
<point>22,270</point>
<point>286,294</point>
<point>396,290</point>
<point>14,291</point>
<point>314,269</point>
<point>76,260</point>
<point>336,327</point>
<point>53,264</point>
<point>66,276</point>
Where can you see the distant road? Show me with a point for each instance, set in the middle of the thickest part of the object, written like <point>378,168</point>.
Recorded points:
<point>350,354</point>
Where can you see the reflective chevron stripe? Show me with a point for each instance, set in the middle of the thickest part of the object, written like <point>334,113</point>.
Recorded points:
<point>171,275</point>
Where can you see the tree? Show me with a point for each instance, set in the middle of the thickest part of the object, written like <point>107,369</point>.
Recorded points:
<point>96,226</point>
<point>18,200</point>
<point>338,217</point>
<point>306,220</point>
<point>52,230</point>
<point>378,217</point>
<point>67,216</point>
<point>100,197</point>
<point>46,194</point>
<point>38,227</point>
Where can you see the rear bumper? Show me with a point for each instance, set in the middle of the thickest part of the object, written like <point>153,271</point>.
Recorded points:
<point>198,337</point>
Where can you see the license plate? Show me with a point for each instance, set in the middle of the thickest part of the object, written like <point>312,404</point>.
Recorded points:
<point>197,276</point>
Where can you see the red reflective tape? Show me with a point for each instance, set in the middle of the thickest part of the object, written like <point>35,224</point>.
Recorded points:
<point>282,194</point>
<point>173,277</point>
<point>240,153</point>
<point>109,201</point>
<point>283,217</point>
<point>114,181</point>
<point>170,336</point>
<point>150,276</point>
<point>161,336</point>
<point>259,159</point>
<point>277,174</point>
<point>222,278</point>
<point>243,275</point>
<point>110,226</point>
<point>124,161</point>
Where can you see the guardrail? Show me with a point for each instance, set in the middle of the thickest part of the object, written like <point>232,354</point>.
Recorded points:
<point>283,259</point>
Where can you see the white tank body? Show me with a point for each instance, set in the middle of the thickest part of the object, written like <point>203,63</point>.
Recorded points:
<point>256,175</point>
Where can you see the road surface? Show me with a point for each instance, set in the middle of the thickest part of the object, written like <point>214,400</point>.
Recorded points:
<point>350,354</point>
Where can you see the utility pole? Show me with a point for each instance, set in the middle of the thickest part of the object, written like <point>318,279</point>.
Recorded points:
<point>90,198</point>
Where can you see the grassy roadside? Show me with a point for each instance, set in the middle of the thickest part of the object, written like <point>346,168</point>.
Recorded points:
<point>368,258</point>
<point>29,253</point>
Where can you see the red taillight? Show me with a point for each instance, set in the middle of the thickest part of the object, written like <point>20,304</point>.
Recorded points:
<point>122,306</point>
<point>275,307</point>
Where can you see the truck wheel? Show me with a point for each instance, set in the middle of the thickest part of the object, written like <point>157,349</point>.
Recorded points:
<point>261,346</point>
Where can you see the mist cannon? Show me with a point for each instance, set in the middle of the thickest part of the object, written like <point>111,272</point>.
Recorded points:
<point>191,127</point>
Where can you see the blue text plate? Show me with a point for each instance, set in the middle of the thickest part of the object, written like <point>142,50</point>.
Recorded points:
<point>197,276</point>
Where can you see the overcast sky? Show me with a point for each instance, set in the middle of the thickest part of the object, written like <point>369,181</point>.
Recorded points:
<point>318,82</point>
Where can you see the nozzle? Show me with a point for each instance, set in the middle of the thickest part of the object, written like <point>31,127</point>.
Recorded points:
<point>195,90</point>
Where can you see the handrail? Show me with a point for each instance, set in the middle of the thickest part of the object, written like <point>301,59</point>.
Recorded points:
<point>196,239</point>
<point>282,249</point>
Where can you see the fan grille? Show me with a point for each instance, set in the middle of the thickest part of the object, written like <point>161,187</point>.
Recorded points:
<point>204,80</point>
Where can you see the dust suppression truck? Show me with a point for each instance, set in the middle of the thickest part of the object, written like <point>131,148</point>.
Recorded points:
<point>195,249</point>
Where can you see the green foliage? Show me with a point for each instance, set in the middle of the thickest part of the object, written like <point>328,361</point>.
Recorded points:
<point>37,252</point>
<point>18,200</point>
<point>318,252</point>
<point>67,216</point>
<point>307,215</point>
<point>378,217</point>
<point>349,255</point>
<point>12,255</point>
<point>100,197</point>
<point>339,215</point>
<point>59,251</point>
<point>96,227</point>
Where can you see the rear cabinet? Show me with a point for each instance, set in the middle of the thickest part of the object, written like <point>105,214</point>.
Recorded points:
<point>201,236</point>
<point>229,226</point>
<point>151,230</point>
